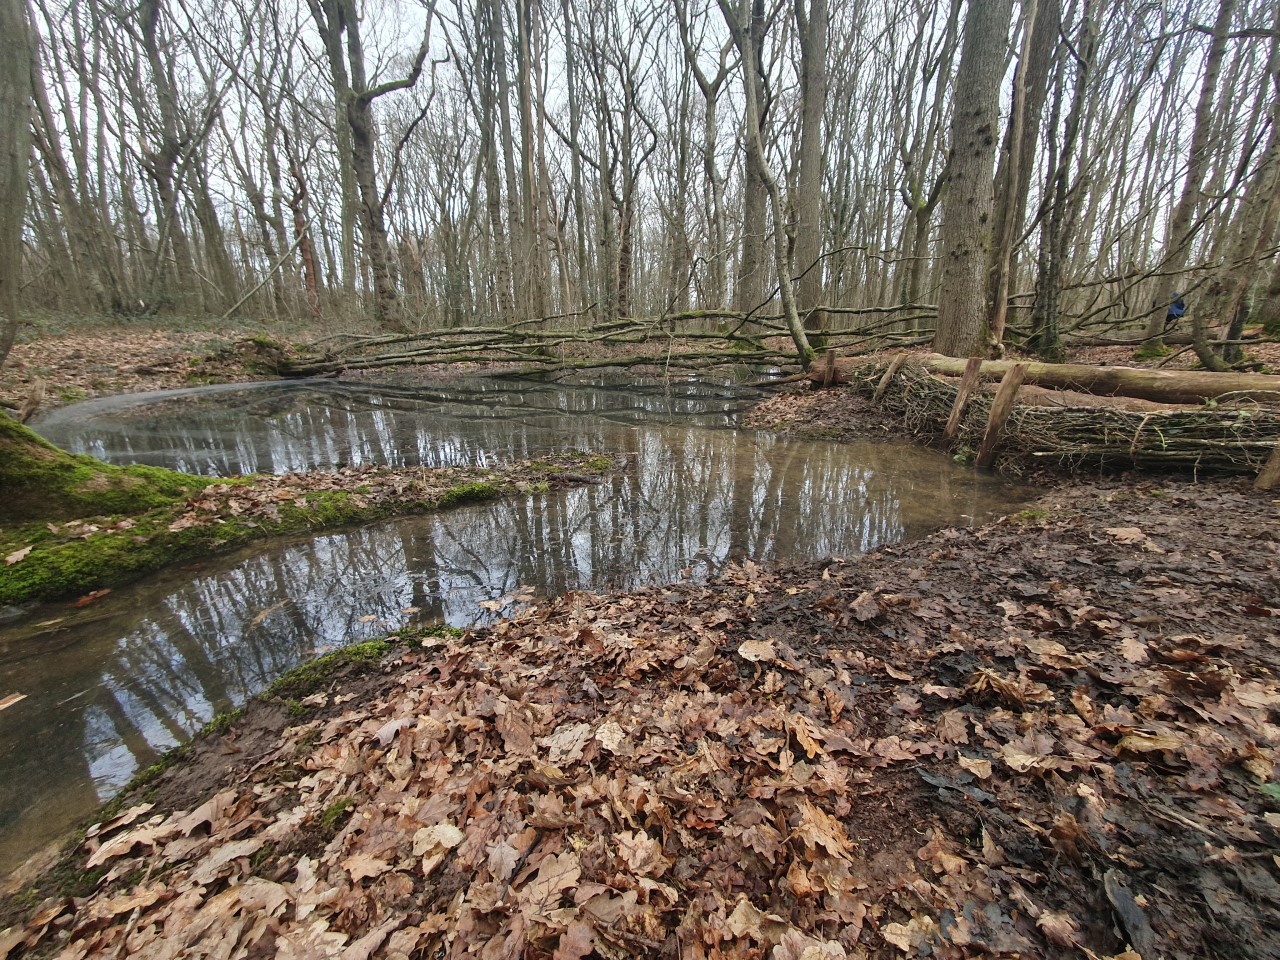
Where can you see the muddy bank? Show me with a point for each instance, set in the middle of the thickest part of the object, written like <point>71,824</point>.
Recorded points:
<point>1049,735</point>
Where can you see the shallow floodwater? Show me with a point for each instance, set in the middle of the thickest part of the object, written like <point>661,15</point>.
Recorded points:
<point>109,688</point>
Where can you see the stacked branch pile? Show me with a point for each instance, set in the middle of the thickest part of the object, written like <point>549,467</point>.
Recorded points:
<point>692,340</point>
<point>1235,436</point>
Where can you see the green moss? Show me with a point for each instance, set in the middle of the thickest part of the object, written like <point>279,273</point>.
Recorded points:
<point>473,492</point>
<point>221,723</point>
<point>1152,350</point>
<point>306,679</point>
<point>61,566</point>
<point>43,483</point>
<point>1030,515</point>
<point>335,813</point>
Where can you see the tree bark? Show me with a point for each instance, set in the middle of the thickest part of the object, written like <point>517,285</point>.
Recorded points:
<point>811,31</point>
<point>15,154</point>
<point>1013,176</point>
<point>1181,229</point>
<point>967,204</point>
<point>1161,386</point>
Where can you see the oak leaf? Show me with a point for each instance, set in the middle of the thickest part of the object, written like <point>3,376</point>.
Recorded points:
<point>577,941</point>
<point>817,828</point>
<point>16,556</point>
<point>555,875</point>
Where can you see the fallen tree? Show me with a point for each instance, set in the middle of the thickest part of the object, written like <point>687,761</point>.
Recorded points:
<point>1227,438</point>
<point>1162,386</point>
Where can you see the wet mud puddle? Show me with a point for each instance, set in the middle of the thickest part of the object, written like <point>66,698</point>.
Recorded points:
<point>108,689</point>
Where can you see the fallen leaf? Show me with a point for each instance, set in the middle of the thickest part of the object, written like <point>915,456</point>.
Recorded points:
<point>1148,743</point>
<point>577,941</point>
<point>89,598</point>
<point>979,768</point>
<point>757,651</point>
<point>11,699</point>
<point>17,555</point>
<point>865,607</point>
<point>555,876</point>
<point>817,828</point>
<point>362,866</point>
<point>1059,928</point>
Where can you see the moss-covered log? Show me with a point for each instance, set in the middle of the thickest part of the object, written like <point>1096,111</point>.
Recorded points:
<point>45,484</point>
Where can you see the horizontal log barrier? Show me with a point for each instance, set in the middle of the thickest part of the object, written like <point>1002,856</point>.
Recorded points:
<point>1227,438</point>
<point>1162,386</point>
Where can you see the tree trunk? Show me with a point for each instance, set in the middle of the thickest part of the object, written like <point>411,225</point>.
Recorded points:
<point>1255,232</point>
<point>811,31</point>
<point>755,146</point>
<point>751,265</point>
<point>15,119</point>
<point>1181,231</point>
<point>968,201</point>
<point>1013,177</point>
<point>1161,386</point>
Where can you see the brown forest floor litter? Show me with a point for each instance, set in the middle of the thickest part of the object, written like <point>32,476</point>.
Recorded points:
<point>1051,736</point>
<point>1054,735</point>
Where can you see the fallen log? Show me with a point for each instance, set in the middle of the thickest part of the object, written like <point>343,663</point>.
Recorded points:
<point>1163,386</point>
<point>1222,439</point>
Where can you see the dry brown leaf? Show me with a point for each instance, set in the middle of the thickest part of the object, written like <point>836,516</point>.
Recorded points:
<point>953,727</point>
<point>757,651</point>
<point>577,941</point>
<point>805,732</point>
<point>566,743</point>
<point>907,937</point>
<point>817,828</point>
<point>795,945</point>
<point>362,866</point>
<point>979,768</point>
<point>16,556</point>
<point>747,921</point>
<point>1148,743</point>
<point>555,876</point>
<point>642,853</point>
<point>865,607</point>
<point>1059,928</point>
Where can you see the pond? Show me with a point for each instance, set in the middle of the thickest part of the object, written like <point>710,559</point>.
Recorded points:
<point>109,688</point>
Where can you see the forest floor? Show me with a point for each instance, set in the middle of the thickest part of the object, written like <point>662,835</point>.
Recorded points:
<point>1053,735</point>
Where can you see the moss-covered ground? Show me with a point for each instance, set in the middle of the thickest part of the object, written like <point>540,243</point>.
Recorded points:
<point>148,519</point>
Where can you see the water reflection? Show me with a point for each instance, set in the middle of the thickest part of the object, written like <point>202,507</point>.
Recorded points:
<point>109,688</point>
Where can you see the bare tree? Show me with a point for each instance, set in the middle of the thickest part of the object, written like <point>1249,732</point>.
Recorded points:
<point>1182,224</point>
<point>16,65</point>
<point>967,206</point>
<point>741,24</point>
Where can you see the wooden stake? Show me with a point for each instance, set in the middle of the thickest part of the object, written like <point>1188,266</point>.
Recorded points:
<point>967,382</point>
<point>1269,475</point>
<point>829,369</point>
<point>1001,407</point>
<point>894,366</point>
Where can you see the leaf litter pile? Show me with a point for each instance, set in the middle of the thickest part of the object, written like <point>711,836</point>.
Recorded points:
<point>1054,735</point>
